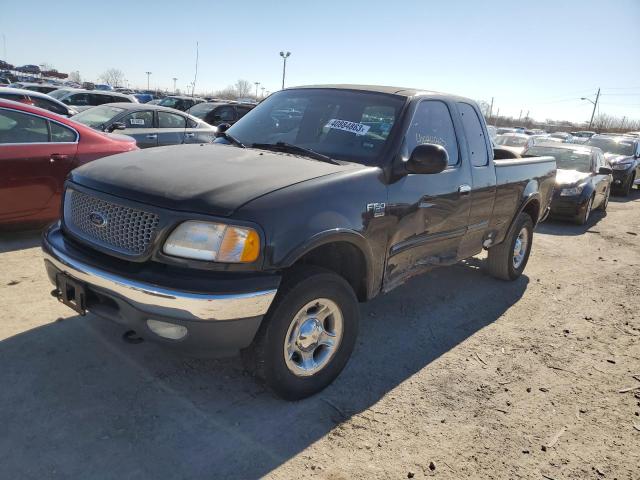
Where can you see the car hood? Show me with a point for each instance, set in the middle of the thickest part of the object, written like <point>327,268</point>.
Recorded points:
<point>211,179</point>
<point>569,177</point>
<point>614,158</point>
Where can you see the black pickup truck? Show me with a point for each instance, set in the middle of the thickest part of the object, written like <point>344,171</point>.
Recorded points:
<point>265,241</point>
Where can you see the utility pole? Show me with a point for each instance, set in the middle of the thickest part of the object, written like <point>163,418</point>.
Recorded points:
<point>622,124</point>
<point>595,104</point>
<point>148,75</point>
<point>174,84</point>
<point>284,65</point>
<point>491,108</point>
<point>520,116</point>
<point>256,84</point>
<point>497,116</point>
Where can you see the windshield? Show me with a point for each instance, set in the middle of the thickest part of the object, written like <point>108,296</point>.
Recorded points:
<point>58,94</point>
<point>201,109</point>
<point>170,102</point>
<point>610,145</point>
<point>566,159</point>
<point>97,116</point>
<point>511,141</point>
<point>344,125</point>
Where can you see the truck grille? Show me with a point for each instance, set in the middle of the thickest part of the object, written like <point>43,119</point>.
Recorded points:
<point>110,225</point>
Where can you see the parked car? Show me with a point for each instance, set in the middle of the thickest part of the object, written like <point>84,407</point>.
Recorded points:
<point>564,136</point>
<point>180,102</point>
<point>503,130</point>
<point>144,97</point>
<point>38,99</point>
<point>155,101</point>
<point>31,69</point>
<point>583,179</point>
<point>103,87</point>
<point>38,149</point>
<point>36,87</point>
<point>267,240</point>
<point>215,113</point>
<point>150,125</point>
<point>83,99</point>
<point>515,142</point>
<point>623,154</point>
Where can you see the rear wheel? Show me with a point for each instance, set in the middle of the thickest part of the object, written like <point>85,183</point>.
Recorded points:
<point>583,217</point>
<point>308,335</point>
<point>507,260</point>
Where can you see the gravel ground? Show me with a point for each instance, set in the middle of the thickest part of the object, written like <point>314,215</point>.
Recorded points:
<point>455,375</point>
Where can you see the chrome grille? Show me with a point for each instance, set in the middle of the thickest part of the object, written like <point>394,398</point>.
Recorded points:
<point>110,225</point>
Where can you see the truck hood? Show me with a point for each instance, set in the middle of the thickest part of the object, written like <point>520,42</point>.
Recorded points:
<point>569,177</point>
<point>614,158</point>
<point>210,179</point>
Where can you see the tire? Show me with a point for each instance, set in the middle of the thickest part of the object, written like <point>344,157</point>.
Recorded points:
<point>584,216</point>
<point>626,191</point>
<point>605,203</point>
<point>501,263</point>
<point>285,374</point>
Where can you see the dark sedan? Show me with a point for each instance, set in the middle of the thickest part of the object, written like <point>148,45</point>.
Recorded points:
<point>150,125</point>
<point>583,180</point>
<point>215,113</point>
<point>183,103</point>
<point>623,154</point>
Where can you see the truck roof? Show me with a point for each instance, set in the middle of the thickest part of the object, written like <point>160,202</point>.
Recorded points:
<point>401,91</point>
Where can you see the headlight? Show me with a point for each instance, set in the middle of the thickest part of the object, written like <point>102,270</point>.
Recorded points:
<point>571,192</point>
<point>621,166</point>
<point>215,242</point>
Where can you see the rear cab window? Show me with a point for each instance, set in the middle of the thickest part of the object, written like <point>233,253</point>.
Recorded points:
<point>474,132</point>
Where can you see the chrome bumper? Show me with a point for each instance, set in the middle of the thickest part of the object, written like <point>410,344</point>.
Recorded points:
<point>162,301</point>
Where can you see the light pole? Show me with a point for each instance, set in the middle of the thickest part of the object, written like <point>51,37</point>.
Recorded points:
<point>595,104</point>
<point>262,92</point>
<point>284,65</point>
<point>174,84</point>
<point>148,75</point>
<point>256,84</point>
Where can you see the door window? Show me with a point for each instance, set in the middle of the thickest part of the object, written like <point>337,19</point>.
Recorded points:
<point>61,134</point>
<point>475,135</point>
<point>79,99</point>
<point>171,120</point>
<point>138,120</point>
<point>432,123</point>
<point>18,127</point>
<point>49,105</point>
<point>242,111</point>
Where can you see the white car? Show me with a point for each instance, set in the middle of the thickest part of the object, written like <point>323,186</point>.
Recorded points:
<point>515,142</point>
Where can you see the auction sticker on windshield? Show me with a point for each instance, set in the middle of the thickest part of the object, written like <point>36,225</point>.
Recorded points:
<point>347,126</point>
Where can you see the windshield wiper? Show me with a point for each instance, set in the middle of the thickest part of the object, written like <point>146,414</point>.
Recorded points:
<point>291,148</point>
<point>231,139</point>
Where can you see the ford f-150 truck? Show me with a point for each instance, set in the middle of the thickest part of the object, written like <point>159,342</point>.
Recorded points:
<point>265,241</point>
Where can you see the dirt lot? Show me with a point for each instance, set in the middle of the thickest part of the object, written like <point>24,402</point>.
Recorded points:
<point>455,375</point>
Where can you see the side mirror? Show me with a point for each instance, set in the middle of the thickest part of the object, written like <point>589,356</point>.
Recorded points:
<point>427,158</point>
<point>605,171</point>
<point>223,127</point>
<point>116,126</point>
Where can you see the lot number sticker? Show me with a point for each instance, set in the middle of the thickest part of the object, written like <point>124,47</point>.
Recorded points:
<point>136,121</point>
<point>347,126</point>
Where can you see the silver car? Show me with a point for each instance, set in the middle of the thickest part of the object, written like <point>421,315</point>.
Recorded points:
<point>150,125</point>
<point>83,99</point>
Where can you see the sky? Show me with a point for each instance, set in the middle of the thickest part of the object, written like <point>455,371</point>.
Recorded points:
<point>539,57</point>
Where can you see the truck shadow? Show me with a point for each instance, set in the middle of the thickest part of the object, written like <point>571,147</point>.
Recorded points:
<point>553,226</point>
<point>77,401</point>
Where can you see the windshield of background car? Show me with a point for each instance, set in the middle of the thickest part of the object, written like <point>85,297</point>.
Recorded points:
<point>170,102</point>
<point>566,159</point>
<point>58,94</point>
<point>97,116</point>
<point>200,110</point>
<point>610,145</point>
<point>511,141</point>
<point>342,124</point>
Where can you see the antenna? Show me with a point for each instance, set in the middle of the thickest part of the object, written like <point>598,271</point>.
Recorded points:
<point>195,77</point>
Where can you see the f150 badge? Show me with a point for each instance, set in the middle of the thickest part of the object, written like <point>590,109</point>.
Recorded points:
<point>377,209</point>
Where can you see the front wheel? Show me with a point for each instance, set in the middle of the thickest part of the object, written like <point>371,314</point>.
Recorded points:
<point>583,217</point>
<point>308,335</point>
<point>605,202</point>
<point>507,260</point>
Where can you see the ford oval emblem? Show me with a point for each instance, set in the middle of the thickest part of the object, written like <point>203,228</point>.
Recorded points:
<point>98,219</point>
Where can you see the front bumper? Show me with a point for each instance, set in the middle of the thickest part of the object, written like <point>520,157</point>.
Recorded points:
<point>220,317</point>
<point>621,178</point>
<point>567,206</point>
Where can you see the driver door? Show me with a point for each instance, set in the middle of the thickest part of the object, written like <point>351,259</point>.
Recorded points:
<point>141,126</point>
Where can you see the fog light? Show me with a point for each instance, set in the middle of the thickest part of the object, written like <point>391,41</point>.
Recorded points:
<point>166,329</point>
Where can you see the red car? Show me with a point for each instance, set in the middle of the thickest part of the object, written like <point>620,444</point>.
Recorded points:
<point>37,150</point>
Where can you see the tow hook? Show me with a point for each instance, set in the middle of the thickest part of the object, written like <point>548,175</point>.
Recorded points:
<point>130,336</point>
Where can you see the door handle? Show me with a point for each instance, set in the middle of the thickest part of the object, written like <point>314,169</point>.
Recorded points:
<point>57,156</point>
<point>190,135</point>
<point>464,189</point>
<point>152,136</point>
